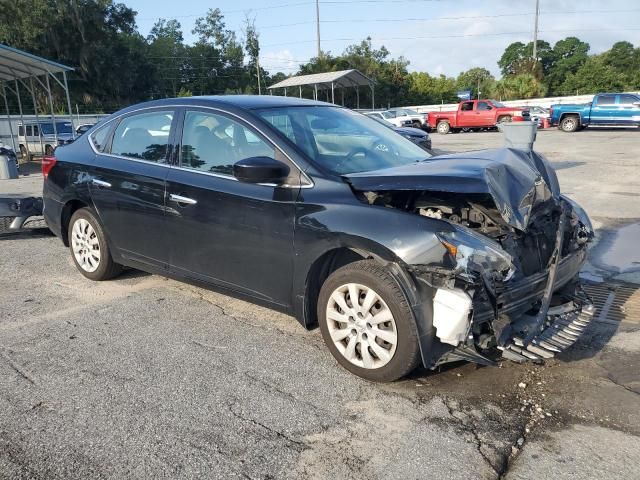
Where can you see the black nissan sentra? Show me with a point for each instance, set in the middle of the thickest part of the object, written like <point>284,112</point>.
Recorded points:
<point>322,213</point>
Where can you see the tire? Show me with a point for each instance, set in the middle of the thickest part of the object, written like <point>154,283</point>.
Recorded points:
<point>417,124</point>
<point>505,119</point>
<point>88,247</point>
<point>24,154</point>
<point>48,150</point>
<point>443,127</point>
<point>569,124</point>
<point>383,361</point>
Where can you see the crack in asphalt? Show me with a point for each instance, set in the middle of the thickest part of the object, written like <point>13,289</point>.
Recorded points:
<point>462,419</point>
<point>14,366</point>
<point>297,445</point>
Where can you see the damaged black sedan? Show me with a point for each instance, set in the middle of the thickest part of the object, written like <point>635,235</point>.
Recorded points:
<point>324,214</point>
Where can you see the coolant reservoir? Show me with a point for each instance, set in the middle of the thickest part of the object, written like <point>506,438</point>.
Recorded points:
<point>451,309</point>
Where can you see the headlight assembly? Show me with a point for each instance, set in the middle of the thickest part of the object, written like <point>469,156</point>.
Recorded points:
<point>476,253</point>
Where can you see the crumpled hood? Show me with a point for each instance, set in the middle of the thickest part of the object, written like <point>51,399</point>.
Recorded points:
<point>516,180</point>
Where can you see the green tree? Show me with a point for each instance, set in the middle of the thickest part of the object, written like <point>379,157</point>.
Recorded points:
<point>568,56</point>
<point>524,85</point>
<point>166,53</point>
<point>593,76</point>
<point>475,78</point>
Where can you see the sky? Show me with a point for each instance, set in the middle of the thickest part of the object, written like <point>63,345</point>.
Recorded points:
<point>436,36</point>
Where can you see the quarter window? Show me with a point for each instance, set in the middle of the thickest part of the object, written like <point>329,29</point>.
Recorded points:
<point>213,143</point>
<point>100,137</point>
<point>143,136</point>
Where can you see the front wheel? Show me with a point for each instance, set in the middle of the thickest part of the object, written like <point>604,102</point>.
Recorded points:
<point>366,322</point>
<point>89,248</point>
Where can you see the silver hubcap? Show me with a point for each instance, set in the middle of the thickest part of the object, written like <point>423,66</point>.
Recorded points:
<point>85,245</point>
<point>361,326</point>
<point>569,124</point>
<point>442,127</point>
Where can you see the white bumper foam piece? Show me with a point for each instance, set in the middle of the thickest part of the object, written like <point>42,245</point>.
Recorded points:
<point>451,310</point>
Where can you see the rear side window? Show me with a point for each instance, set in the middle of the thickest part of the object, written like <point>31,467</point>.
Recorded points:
<point>143,136</point>
<point>35,131</point>
<point>628,99</point>
<point>607,100</point>
<point>100,137</point>
<point>483,106</point>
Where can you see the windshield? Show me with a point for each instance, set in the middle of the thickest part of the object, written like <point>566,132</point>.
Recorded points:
<point>497,104</point>
<point>62,127</point>
<point>341,140</point>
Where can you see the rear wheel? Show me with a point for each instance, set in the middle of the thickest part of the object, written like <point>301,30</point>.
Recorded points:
<point>48,150</point>
<point>24,154</point>
<point>89,248</point>
<point>443,127</point>
<point>417,124</point>
<point>366,322</point>
<point>505,119</point>
<point>569,124</point>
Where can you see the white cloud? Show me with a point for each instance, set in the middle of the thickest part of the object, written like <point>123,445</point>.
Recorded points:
<point>279,61</point>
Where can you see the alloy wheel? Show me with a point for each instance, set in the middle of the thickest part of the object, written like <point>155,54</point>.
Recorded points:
<point>85,245</point>
<point>361,326</point>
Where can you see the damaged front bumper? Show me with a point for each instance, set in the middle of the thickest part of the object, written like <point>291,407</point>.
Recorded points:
<point>531,318</point>
<point>15,210</point>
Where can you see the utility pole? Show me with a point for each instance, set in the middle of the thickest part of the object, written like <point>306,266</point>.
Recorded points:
<point>258,72</point>
<point>318,26</point>
<point>535,32</point>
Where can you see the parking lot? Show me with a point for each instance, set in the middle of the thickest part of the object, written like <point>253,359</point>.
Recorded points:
<point>147,377</point>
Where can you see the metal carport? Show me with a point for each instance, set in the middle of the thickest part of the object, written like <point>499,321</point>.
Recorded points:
<point>329,81</point>
<point>22,68</point>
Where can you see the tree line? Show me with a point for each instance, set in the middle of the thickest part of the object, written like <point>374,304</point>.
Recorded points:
<point>115,65</point>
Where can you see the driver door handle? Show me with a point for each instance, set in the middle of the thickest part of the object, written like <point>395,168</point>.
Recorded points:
<point>182,200</point>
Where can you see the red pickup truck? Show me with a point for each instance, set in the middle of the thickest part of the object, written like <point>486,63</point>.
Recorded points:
<point>476,114</point>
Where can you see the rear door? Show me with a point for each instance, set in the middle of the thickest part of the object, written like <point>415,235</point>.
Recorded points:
<point>233,234</point>
<point>604,110</point>
<point>128,185</point>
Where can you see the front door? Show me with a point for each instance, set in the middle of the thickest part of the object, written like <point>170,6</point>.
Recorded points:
<point>467,114</point>
<point>128,186</point>
<point>233,234</point>
<point>603,112</point>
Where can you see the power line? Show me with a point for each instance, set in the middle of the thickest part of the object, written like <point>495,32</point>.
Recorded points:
<point>350,39</point>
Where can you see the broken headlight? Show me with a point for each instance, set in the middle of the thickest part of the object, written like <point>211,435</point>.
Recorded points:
<point>474,253</point>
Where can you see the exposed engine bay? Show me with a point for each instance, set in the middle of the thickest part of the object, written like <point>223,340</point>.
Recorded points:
<point>506,286</point>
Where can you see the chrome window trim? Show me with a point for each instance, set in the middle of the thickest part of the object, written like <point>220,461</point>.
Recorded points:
<point>311,184</point>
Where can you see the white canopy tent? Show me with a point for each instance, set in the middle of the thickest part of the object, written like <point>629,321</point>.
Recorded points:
<point>329,81</point>
<point>18,68</point>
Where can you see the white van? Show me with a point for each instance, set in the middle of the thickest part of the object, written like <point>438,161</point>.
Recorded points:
<point>38,138</point>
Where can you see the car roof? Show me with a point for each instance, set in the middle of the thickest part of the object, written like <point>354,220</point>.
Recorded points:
<point>246,102</point>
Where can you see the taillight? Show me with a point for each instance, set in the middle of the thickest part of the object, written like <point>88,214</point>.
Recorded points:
<point>47,165</point>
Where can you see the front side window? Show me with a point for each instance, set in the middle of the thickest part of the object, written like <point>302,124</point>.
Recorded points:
<point>628,99</point>
<point>467,106</point>
<point>61,127</point>
<point>213,143</point>
<point>143,136</point>
<point>344,141</point>
<point>21,130</point>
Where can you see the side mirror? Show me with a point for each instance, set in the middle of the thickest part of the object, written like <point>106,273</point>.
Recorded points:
<point>260,170</point>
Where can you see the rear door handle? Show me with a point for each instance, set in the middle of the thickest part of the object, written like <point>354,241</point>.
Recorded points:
<point>182,200</point>
<point>100,183</point>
